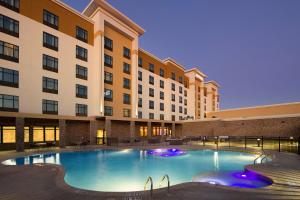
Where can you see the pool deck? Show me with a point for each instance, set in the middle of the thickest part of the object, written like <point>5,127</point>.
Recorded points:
<point>46,182</point>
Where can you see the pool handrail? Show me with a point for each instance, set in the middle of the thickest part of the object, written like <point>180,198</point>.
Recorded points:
<point>151,186</point>
<point>254,162</point>
<point>168,181</point>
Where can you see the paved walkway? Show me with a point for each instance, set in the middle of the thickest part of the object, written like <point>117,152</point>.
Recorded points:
<point>46,183</point>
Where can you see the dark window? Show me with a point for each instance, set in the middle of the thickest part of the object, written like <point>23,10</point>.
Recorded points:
<point>126,98</point>
<point>180,89</point>
<point>9,103</point>
<point>185,93</point>
<point>140,89</point>
<point>185,102</point>
<point>161,72</point>
<point>151,104</point>
<point>162,106</point>
<point>173,76</point>
<point>108,77</point>
<point>173,117</point>
<point>9,26</point>
<point>126,68</point>
<point>180,99</point>
<point>151,92</point>
<point>173,97</point>
<point>50,63</point>
<point>126,52</point>
<point>140,61</point>
<point>180,109</point>
<point>108,43</point>
<point>161,95</point>
<point>126,83</point>
<point>140,103</point>
<point>161,117</point>
<point>108,95</point>
<point>151,67</point>
<point>81,53</point>
<point>9,77</point>
<point>81,34</point>
<point>180,79</point>
<point>50,85</point>
<point>108,61</point>
<point>140,114</point>
<point>126,112</point>
<point>173,86</point>
<point>173,108</point>
<point>9,51</point>
<point>81,110</point>
<point>161,84</point>
<point>81,91</point>
<point>151,115</point>
<point>50,19</point>
<point>185,111</point>
<point>108,111</point>
<point>11,4</point>
<point>50,107</point>
<point>50,41</point>
<point>81,72</point>
<point>151,80</point>
<point>205,91</point>
<point>140,76</point>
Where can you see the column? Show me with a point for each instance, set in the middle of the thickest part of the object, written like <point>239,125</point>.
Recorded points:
<point>108,128</point>
<point>132,131</point>
<point>93,132</point>
<point>173,129</point>
<point>20,134</point>
<point>162,126</point>
<point>30,135</point>
<point>62,133</point>
<point>149,130</point>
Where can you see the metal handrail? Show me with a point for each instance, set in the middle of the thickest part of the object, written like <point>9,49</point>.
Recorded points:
<point>151,186</point>
<point>254,162</point>
<point>265,157</point>
<point>163,178</point>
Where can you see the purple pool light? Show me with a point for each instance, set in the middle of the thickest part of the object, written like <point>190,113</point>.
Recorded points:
<point>166,152</point>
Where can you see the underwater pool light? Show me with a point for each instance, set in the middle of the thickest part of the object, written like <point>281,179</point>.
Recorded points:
<point>166,152</point>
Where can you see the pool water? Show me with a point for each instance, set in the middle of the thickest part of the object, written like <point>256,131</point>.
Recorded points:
<point>127,170</point>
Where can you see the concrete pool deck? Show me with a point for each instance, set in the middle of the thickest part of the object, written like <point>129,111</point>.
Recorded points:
<point>47,181</point>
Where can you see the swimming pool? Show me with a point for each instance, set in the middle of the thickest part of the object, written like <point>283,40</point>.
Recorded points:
<point>128,169</point>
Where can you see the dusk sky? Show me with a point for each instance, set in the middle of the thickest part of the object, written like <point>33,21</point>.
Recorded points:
<point>250,47</point>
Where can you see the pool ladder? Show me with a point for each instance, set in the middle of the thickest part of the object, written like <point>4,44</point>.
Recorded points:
<point>263,156</point>
<point>150,180</point>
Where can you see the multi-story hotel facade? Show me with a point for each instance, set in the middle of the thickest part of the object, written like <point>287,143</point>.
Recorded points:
<point>66,75</point>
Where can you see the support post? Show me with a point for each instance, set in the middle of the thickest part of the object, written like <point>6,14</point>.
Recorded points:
<point>62,133</point>
<point>279,144</point>
<point>108,127</point>
<point>262,142</point>
<point>245,142</point>
<point>93,132</point>
<point>229,141</point>
<point>149,130</point>
<point>132,131</point>
<point>30,136</point>
<point>19,134</point>
<point>173,129</point>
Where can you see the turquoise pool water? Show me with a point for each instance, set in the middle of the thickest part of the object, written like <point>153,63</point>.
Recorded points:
<point>127,170</point>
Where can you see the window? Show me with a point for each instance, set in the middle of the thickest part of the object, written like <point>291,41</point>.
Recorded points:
<point>8,134</point>
<point>108,77</point>
<point>151,67</point>
<point>140,114</point>
<point>180,99</point>
<point>180,89</point>
<point>50,41</point>
<point>9,51</point>
<point>108,111</point>
<point>140,103</point>
<point>126,98</point>
<point>11,4</point>
<point>161,117</point>
<point>50,85</point>
<point>173,117</point>
<point>161,72</point>
<point>81,53</point>
<point>126,112</point>
<point>180,109</point>
<point>199,89</point>
<point>205,91</point>
<point>185,111</point>
<point>173,76</point>
<point>185,102</point>
<point>161,95</point>
<point>151,92</point>
<point>50,63</point>
<point>81,110</point>
<point>140,76</point>
<point>9,103</point>
<point>151,104</point>
<point>126,68</point>
<point>180,79</point>
<point>81,72</point>
<point>50,107</point>
<point>161,84</point>
<point>9,77</point>
<point>185,93</point>
<point>151,115</point>
<point>81,91</point>
<point>173,97</point>
<point>126,83</point>
<point>140,89</point>
<point>151,80</point>
<point>173,86</point>
<point>140,62</point>
<point>50,19</point>
<point>9,26</point>
<point>162,107</point>
<point>108,61</point>
<point>81,34</point>
<point>126,52</point>
<point>108,44</point>
<point>173,108</point>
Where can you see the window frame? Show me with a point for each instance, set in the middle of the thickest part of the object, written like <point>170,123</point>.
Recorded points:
<point>15,23</point>
<point>78,54</point>
<point>79,107</point>
<point>80,87</point>
<point>46,81</point>
<point>50,15</point>
<point>85,33</point>
<point>83,76</point>
<point>44,105</point>
<point>15,103</point>
<point>50,46</point>
<point>14,49</point>
<point>46,60</point>
<point>15,77</point>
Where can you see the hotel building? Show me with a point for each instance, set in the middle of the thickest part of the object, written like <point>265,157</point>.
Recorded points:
<point>66,75</point>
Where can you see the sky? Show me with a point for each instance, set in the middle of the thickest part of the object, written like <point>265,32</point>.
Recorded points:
<point>250,47</point>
